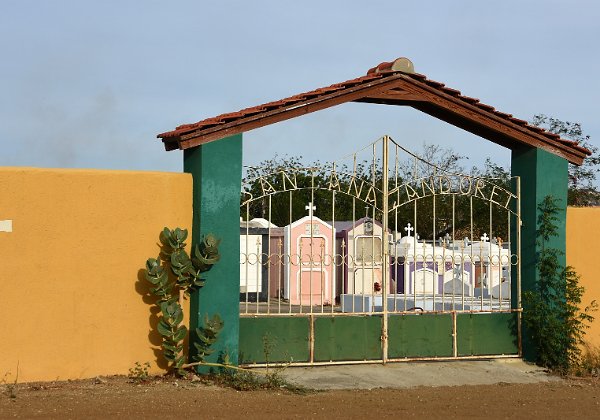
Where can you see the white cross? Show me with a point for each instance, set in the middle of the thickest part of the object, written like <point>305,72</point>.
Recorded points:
<point>408,229</point>
<point>485,238</point>
<point>310,209</point>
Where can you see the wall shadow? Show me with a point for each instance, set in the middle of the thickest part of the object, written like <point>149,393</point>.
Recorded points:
<point>142,286</point>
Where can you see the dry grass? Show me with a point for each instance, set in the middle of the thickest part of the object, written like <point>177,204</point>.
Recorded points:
<point>589,363</point>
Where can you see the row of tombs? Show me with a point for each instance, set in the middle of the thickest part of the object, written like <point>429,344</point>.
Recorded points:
<point>339,264</point>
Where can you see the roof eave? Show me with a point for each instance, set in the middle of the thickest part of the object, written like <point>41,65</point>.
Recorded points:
<point>196,137</point>
<point>470,117</point>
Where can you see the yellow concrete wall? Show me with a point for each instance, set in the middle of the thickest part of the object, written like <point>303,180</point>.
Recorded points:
<point>583,253</point>
<point>71,298</point>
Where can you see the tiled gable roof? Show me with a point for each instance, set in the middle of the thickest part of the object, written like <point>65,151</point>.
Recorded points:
<point>373,88</point>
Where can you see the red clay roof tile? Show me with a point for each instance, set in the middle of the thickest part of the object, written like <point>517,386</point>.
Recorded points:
<point>485,106</point>
<point>386,65</point>
<point>503,114</point>
<point>418,76</point>
<point>518,121</point>
<point>451,91</point>
<point>469,99</point>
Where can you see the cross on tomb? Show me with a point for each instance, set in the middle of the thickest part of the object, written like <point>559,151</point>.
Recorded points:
<point>447,238</point>
<point>409,229</point>
<point>484,238</point>
<point>310,209</point>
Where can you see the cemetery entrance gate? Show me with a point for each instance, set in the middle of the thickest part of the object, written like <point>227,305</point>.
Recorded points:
<point>380,256</point>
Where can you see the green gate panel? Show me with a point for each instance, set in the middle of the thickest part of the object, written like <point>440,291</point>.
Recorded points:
<point>486,334</point>
<point>342,338</point>
<point>426,335</point>
<point>282,339</point>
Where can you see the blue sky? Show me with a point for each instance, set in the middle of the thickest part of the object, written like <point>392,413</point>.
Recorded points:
<point>89,84</point>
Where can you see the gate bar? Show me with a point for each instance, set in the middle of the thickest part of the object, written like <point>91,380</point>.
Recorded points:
<point>454,335</point>
<point>375,361</point>
<point>385,256</point>
<point>519,307</point>
<point>311,339</point>
<point>327,314</point>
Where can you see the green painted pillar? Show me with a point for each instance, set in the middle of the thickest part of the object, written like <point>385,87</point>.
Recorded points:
<point>216,169</point>
<point>542,173</point>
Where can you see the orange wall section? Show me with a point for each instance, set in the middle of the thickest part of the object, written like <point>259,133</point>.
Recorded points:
<point>71,300</point>
<point>583,253</point>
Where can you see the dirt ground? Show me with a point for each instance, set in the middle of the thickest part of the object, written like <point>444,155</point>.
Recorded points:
<point>115,397</point>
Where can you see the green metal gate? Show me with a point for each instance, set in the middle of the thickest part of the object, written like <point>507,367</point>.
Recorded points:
<point>380,256</point>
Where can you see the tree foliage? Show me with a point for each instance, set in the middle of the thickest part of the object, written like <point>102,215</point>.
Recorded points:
<point>285,207</point>
<point>471,217</point>
<point>582,188</point>
<point>460,215</point>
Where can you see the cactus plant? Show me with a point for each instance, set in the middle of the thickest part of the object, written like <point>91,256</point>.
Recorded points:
<point>207,336</point>
<point>173,334</point>
<point>157,275</point>
<point>186,276</point>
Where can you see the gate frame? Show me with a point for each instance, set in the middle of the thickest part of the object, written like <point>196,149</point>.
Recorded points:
<point>538,157</point>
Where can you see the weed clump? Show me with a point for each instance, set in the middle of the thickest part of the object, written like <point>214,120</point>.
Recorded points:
<point>554,322</point>
<point>590,361</point>
<point>247,380</point>
<point>139,372</point>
